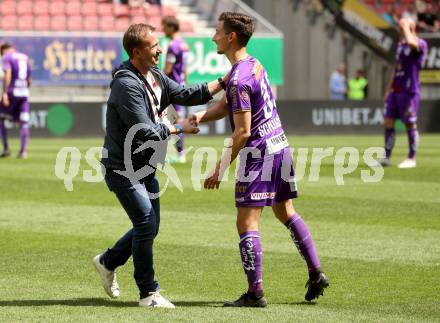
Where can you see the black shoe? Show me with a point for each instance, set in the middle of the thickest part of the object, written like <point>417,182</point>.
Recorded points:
<point>5,153</point>
<point>248,300</point>
<point>316,286</point>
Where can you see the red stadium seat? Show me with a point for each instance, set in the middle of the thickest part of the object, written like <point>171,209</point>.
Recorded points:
<point>42,23</point>
<point>58,23</point>
<point>91,23</point>
<point>74,23</point>
<point>41,8</point>
<point>9,22</point>
<point>7,8</point>
<point>57,8</point>
<point>24,7</point>
<point>120,10</point>
<point>383,8</point>
<point>122,24</point>
<point>156,22</point>
<point>105,9</point>
<point>89,9</point>
<point>73,8</point>
<point>141,19</point>
<point>168,10</point>
<point>153,11</point>
<point>25,23</point>
<point>400,9</point>
<point>106,23</point>
<point>137,11</point>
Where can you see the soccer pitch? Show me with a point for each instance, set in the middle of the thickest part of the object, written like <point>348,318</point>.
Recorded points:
<point>378,243</point>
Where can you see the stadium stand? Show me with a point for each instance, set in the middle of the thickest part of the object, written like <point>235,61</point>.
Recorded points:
<point>81,15</point>
<point>427,13</point>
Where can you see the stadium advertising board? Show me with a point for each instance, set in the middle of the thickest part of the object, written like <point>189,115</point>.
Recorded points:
<point>78,60</point>
<point>431,68</point>
<point>205,64</point>
<point>70,59</point>
<point>65,119</point>
<point>348,117</point>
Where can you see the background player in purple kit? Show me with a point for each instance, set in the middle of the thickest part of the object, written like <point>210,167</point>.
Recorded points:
<point>175,68</point>
<point>403,95</point>
<point>267,177</point>
<point>15,103</point>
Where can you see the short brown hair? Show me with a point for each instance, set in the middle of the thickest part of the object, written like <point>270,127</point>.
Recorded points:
<point>243,25</point>
<point>134,37</point>
<point>4,47</point>
<point>171,22</point>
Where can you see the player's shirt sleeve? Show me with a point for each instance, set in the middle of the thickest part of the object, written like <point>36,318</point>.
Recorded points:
<point>6,63</point>
<point>423,48</point>
<point>422,52</point>
<point>240,94</point>
<point>423,45</point>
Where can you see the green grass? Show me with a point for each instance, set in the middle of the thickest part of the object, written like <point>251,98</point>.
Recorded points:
<point>378,242</point>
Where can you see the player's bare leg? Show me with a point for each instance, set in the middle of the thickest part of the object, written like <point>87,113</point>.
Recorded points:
<point>413,143</point>
<point>252,257</point>
<point>285,213</point>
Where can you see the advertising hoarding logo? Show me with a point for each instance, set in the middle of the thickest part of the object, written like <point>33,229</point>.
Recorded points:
<point>59,119</point>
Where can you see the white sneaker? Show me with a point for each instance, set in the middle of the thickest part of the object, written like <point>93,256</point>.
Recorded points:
<point>177,159</point>
<point>408,163</point>
<point>108,278</point>
<point>384,162</point>
<point>155,300</point>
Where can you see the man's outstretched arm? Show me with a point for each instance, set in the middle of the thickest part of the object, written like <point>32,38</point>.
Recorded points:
<point>215,111</point>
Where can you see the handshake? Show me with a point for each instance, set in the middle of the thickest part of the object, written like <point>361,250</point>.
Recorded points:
<point>189,125</point>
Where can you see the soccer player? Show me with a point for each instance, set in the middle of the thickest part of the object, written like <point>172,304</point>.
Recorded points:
<point>259,141</point>
<point>14,102</point>
<point>175,69</point>
<point>403,95</point>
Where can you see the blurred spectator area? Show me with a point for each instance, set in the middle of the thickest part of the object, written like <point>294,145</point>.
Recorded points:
<point>82,15</point>
<point>425,12</point>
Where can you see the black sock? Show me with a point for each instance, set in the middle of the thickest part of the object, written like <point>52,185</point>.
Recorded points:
<point>314,274</point>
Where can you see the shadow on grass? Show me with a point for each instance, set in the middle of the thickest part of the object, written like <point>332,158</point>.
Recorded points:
<point>199,303</point>
<point>220,304</point>
<point>113,303</point>
<point>96,302</point>
<point>69,302</point>
<point>305,303</point>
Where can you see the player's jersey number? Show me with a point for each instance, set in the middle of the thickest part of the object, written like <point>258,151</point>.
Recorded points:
<point>269,103</point>
<point>22,69</point>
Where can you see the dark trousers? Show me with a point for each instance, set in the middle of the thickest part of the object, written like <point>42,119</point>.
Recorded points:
<point>144,214</point>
